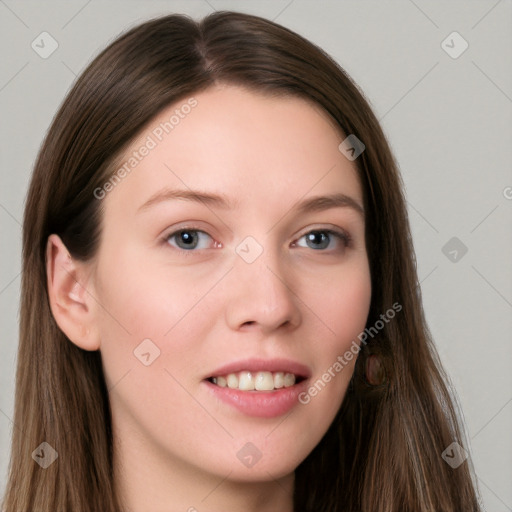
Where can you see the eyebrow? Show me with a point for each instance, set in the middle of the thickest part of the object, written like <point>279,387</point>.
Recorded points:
<point>312,204</point>
<point>206,198</point>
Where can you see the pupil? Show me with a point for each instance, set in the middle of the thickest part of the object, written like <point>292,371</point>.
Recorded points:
<point>187,238</point>
<point>318,238</point>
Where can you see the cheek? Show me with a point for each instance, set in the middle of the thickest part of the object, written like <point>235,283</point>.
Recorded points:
<point>342,306</point>
<point>141,300</point>
<point>150,345</point>
<point>341,300</point>
<point>347,305</point>
<point>343,309</point>
<point>150,314</point>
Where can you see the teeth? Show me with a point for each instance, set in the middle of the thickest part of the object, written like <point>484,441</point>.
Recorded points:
<point>289,380</point>
<point>279,380</point>
<point>259,381</point>
<point>264,381</point>
<point>232,381</point>
<point>246,381</point>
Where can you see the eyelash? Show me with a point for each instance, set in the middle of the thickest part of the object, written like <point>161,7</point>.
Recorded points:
<point>342,236</point>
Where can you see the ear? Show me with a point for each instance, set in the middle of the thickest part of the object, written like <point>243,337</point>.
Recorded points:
<point>71,302</point>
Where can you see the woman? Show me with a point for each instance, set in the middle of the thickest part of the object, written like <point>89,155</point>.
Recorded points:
<point>220,307</point>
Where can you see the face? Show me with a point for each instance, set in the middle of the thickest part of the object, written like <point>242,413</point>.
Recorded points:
<point>220,268</point>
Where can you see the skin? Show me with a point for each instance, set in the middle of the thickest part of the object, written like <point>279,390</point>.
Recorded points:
<point>176,447</point>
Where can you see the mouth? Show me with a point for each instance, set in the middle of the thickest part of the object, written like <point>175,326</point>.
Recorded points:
<point>246,380</point>
<point>257,387</point>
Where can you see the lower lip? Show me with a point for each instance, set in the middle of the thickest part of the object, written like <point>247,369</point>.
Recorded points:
<point>260,404</point>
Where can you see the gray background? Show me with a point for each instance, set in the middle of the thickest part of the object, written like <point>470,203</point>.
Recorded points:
<point>448,121</point>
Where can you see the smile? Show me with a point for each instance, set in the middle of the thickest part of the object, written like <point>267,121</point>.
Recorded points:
<point>256,381</point>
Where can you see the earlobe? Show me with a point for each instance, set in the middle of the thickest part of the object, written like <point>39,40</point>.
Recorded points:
<point>71,303</point>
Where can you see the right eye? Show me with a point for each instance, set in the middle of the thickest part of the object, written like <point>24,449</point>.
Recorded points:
<point>188,239</point>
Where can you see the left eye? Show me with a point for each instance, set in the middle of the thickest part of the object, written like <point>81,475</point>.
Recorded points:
<point>188,239</point>
<point>322,239</point>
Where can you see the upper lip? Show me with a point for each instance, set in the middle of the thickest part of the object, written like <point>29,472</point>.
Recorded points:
<point>260,365</point>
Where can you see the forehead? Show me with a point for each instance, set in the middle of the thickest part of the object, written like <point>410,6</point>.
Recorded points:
<point>252,148</point>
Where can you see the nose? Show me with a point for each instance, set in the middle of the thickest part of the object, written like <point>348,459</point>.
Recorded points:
<point>261,296</point>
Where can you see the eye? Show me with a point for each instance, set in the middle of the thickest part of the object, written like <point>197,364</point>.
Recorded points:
<point>320,239</point>
<point>189,239</point>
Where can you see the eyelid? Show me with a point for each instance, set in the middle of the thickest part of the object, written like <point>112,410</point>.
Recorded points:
<point>327,228</point>
<point>184,226</point>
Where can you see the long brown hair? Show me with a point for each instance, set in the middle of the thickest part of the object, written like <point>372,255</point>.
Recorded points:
<point>383,451</point>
